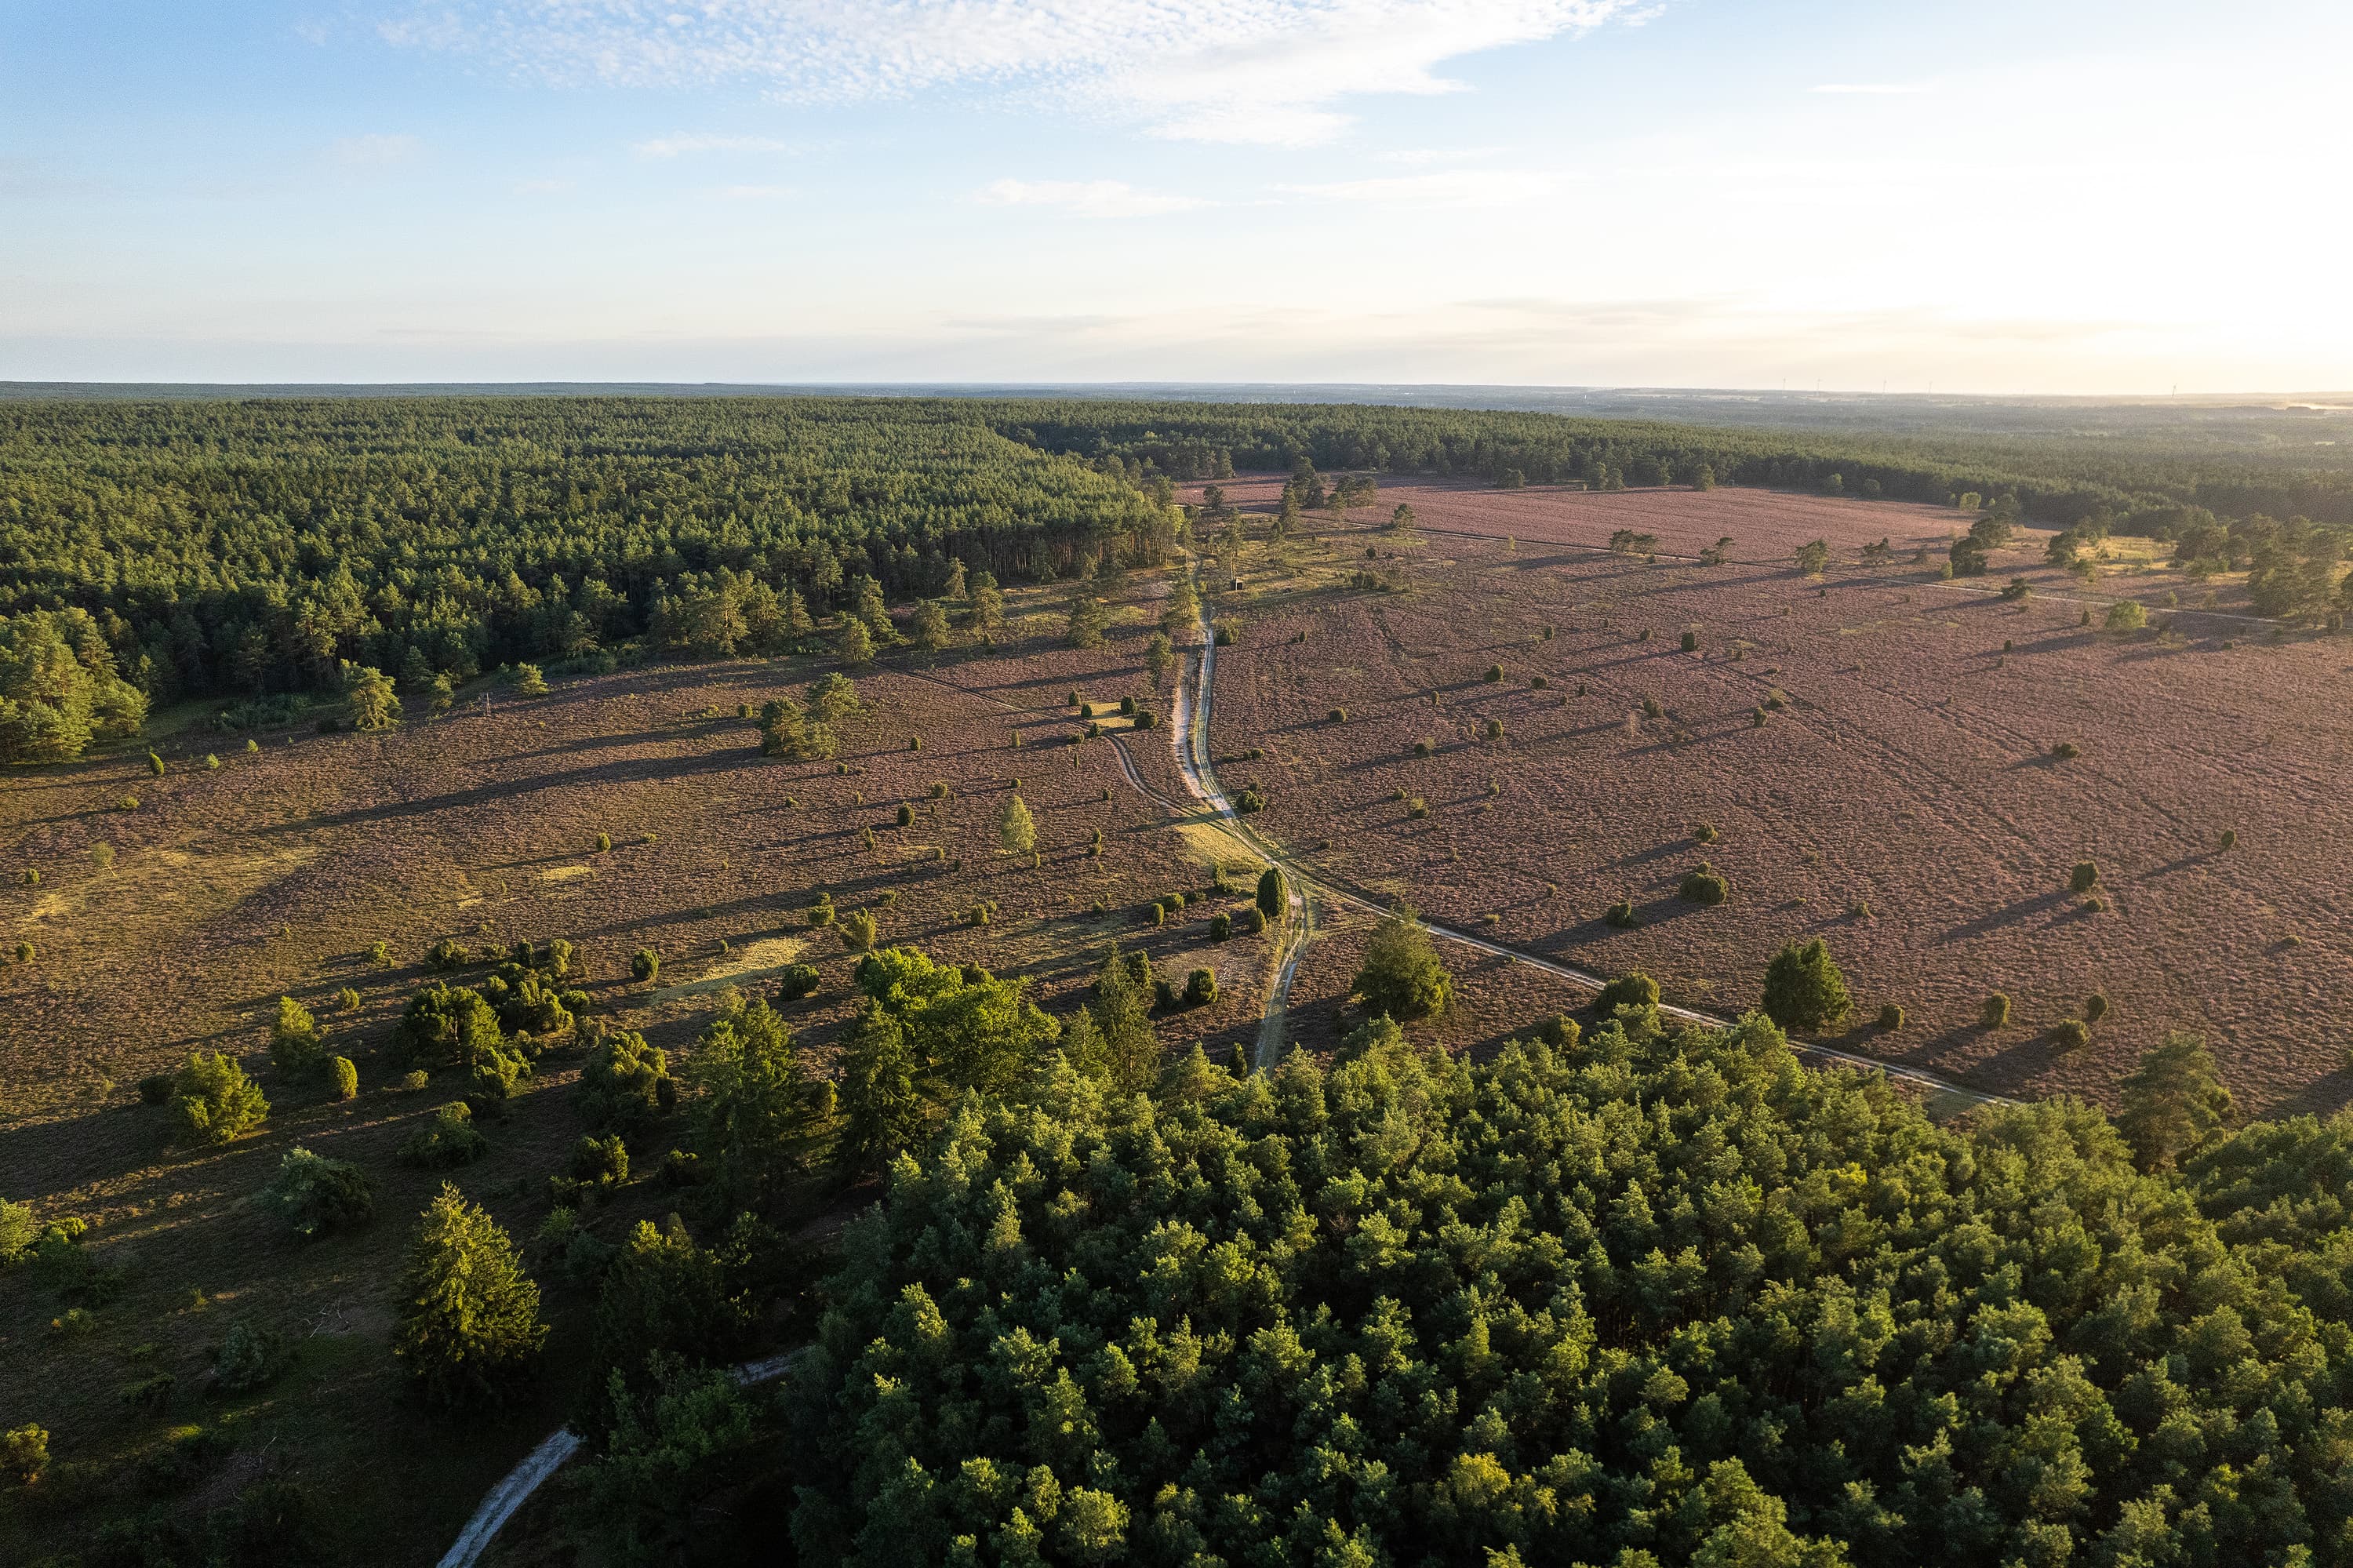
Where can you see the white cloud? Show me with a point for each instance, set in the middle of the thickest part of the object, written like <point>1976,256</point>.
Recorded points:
<point>1095,199</point>
<point>686,142</point>
<point>375,152</point>
<point>1873,88</point>
<point>1450,187</point>
<point>1269,71</point>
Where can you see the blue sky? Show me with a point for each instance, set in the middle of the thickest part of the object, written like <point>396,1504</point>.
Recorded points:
<point>2074,196</point>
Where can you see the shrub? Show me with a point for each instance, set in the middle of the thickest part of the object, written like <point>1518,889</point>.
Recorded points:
<point>1146,719</point>
<point>906,816</point>
<point>799,980</point>
<point>345,1077</point>
<point>1402,977</point>
<point>1337,715</point>
<point>294,1048</point>
<point>1249,800</point>
<point>1560,1031</point>
<point>644,966</point>
<point>1995,1014</point>
<point>27,952</point>
<point>1254,920</point>
<point>448,953</point>
<point>468,1316</point>
<point>600,1162</point>
<point>24,1453</point>
<point>528,681</point>
<point>858,931</point>
<point>2126,615</point>
<point>1494,674</point>
<point>2096,1007</point>
<point>1803,987</point>
<point>2084,878</point>
<point>1704,834</point>
<point>414,1080</point>
<point>1422,748</point>
<point>1691,641</point>
<point>1221,925</point>
<point>1621,915</point>
<point>1705,884</point>
<point>2070,1034</point>
<point>247,1359</point>
<point>1632,989</point>
<point>1415,807</point>
<point>1225,636</point>
<point>1201,988</point>
<point>1651,708</point>
<point>449,1138</point>
<point>214,1101</point>
<point>2230,839</point>
<point>1274,893</point>
<point>313,1195</point>
<point>2067,751</point>
<point>1495,729</point>
<point>1890,1016</point>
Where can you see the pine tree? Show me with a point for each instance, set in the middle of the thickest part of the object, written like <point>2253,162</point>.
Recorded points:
<point>854,643</point>
<point>931,627</point>
<point>1401,976</point>
<point>467,1315</point>
<point>881,1110</point>
<point>2174,1103</point>
<point>1803,988</point>
<point>1017,830</point>
<point>1273,896</point>
<point>1121,1007</point>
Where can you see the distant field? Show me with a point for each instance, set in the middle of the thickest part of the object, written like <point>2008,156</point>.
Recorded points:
<point>1906,767</point>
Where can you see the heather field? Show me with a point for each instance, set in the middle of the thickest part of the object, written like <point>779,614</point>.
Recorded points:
<point>1879,758</point>
<point>275,872</point>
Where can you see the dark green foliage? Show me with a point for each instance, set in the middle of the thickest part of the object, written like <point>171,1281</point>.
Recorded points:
<point>448,953</point>
<point>294,1047</point>
<point>644,966</point>
<point>1622,916</point>
<point>2174,1105</point>
<point>756,1107</point>
<point>1221,925</point>
<point>2230,838</point>
<point>625,1083</point>
<point>249,1358</point>
<point>1703,885</point>
<point>1634,988</point>
<point>2070,1034</point>
<point>1803,988</point>
<point>2067,751</point>
<point>1691,642</point>
<point>2096,1007</point>
<point>1249,800</point>
<point>448,1138</point>
<point>1337,715</point>
<point>599,1164</point>
<point>1890,1016</point>
<point>213,1101</point>
<point>1567,1361</point>
<point>1422,747</point>
<point>1494,674</point>
<point>1201,988</point>
<point>797,982</point>
<point>1402,977</point>
<point>2084,878</point>
<point>59,687</point>
<point>312,1195</point>
<point>455,1026</point>
<point>1560,1031</point>
<point>1995,1013</point>
<point>466,1314</point>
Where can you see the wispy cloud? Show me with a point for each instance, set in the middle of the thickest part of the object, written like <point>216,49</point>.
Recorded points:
<point>375,152</point>
<point>1448,187</point>
<point>1269,71</point>
<point>1873,88</point>
<point>681,145</point>
<point>1095,199</point>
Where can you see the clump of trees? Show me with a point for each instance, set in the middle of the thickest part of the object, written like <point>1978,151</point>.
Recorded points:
<point>1401,977</point>
<point>1804,988</point>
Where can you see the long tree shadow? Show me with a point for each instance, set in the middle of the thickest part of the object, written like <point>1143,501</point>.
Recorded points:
<point>2013,915</point>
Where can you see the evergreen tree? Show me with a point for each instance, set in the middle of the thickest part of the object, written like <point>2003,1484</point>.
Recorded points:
<point>1402,977</point>
<point>882,1111</point>
<point>1273,896</point>
<point>1017,830</point>
<point>930,627</point>
<point>466,1315</point>
<point>2174,1103</point>
<point>854,644</point>
<point>756,1106</point>
<point>1803,988</point>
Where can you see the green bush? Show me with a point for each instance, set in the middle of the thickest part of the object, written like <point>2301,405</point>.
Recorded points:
<point>2067,751</point>
<point>2070,1034</point>
<point>1423,747</point>
<point>1704,834</point>
<point>2096,1007</point>
<point>1803,988</point>
<point>1201,988</point>
<point>312,1195</point>
<point>344,1076</point>
<point>2230,839</point>
<point>25,1454</point>
<point>294,1046</point>
<point>1890,1016</point>
<point>644,966</point>
<point>797,982</point>
<point>1691,641</point>
<point>1705,884</point>
<point>447,1138</point>
<point>599,1162</point>
<point>1221,925</point>
<point>1337,715</point>
<point>448,953</point>
<point>1254,920</point>
<point>247,1359</point>
<point>1494,674</point>
<point>1995,1013</point>
<point>1560,1031</point>
<point>2084,878</point>
<point>2126,615</point>
<point>1401,977</point>
<point>906,816</point>
<point>214,1101</point>
<point>1622,916</point>
<point>1632,989</point>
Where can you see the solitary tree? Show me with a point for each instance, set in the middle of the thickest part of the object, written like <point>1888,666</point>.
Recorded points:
<point>1273,896</point>
<point>2174,1103</point>
<point>855,644</point>
<point>214,1101</point>
<point>371,702</point>
<point>1813,555</point>
<point>1017,830</point>
<point>467,1314</point>
<point>1401,976</point>
<point>1803,987</point>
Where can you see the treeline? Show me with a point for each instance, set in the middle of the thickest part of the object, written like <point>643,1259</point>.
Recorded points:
<point>2148,487</point>
<point>232,549</point>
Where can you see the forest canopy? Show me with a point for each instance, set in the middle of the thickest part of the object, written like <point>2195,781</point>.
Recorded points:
<point>1655,1296</point>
